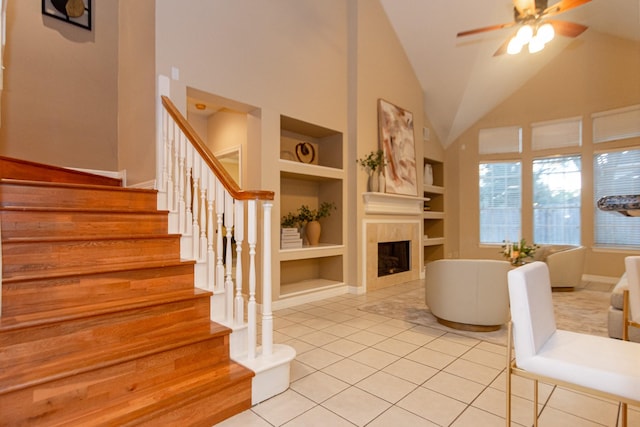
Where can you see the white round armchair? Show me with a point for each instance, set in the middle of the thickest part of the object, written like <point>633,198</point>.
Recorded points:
<point>468,294</point>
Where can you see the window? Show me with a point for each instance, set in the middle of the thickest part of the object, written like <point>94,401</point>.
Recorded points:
<point>500,201</point>
<point>616,174</point>
<point>556,200</point>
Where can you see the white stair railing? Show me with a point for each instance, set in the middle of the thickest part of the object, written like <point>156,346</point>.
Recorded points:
<point>211,212</point>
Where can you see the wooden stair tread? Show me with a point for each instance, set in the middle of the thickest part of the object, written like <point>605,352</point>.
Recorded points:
<point>76,271</point>
<point>94,358</point>
<point>163,397</point>
<point>52,209</point>
<point>98,187</point>
<point>8,323</point>
<point>54,239</point>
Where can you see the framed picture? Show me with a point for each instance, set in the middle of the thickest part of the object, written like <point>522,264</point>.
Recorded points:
<point>75,12</point>
<point>395,131</point>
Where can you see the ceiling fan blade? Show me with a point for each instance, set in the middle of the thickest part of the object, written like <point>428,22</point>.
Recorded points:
<point>523,5</point>
<point>563,6</point>
<point>485,29</point>
<point>567,29</point>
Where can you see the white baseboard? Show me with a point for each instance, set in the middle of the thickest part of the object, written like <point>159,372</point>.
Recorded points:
<point>600,279</point>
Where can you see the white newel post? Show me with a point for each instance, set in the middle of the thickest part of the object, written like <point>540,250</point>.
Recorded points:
<point>267,315</point>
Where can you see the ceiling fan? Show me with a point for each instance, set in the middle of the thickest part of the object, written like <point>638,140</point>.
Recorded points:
<point>535,28</point>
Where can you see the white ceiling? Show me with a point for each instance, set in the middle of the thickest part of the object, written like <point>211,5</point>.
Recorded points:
<point>461,78</point>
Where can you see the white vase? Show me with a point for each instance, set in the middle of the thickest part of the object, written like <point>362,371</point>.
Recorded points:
<point>382,184</point>
<point>428,174</point>
<point>373,183</point>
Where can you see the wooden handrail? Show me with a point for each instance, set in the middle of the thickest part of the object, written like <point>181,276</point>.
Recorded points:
<point>227,180</point>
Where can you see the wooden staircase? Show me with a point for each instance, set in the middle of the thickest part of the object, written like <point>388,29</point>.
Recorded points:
<point>101,323</point>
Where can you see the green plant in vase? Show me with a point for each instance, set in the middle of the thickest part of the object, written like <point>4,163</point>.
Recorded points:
<point>373,163</point>
<point>516,252</point>
<point>309,218</point>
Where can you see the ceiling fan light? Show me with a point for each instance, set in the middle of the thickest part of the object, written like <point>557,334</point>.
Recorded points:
<point>546,33</point>
<point>524,34</point>
<point>514,47</point>
<point>536,45</point>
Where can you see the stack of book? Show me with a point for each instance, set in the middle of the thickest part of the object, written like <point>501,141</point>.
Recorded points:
<point>290,238</point>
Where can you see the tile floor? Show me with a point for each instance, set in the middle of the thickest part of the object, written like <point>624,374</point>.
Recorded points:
<point>359,369</point>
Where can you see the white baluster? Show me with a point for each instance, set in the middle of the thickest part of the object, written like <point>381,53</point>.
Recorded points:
<point>169,158</point>
<point>239,236</point>
<point>195,226</point>
<point>211,278</point>
<point>228,281</point>
<point>219,212</point>
<point>176,167</point>
<point>162,185</point>
<point>267,315</point>
<point>181,184</point>
<point>252,225</point>
<point>188,192</point>
<point>205,223</point>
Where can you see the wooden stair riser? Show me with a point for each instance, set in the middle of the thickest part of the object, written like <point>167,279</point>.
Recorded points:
<point>64,223</point>
<point>57,257</point>
<point>70,196</point>
<point>84,393</point>
<point>47,352</point>
<point>204,410</point>
<point>33,296</point>
<point>108,328</point>
<point>31,171</point>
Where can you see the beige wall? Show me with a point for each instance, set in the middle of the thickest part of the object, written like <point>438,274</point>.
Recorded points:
<point>136,90</point>
<point>596,73</point>
<point>381,70</point>
<point>59,103</point>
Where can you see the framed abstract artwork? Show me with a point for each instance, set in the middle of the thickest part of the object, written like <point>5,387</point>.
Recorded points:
<point>395,131</point>
<point>75,12</point>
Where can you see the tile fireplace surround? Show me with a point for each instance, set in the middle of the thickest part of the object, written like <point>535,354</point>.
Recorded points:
<point>389,230</point>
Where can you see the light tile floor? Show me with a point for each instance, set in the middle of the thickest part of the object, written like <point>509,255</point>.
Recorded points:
<point>359,369</point>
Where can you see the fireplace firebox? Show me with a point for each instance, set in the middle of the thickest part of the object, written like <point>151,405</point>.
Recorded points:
<point>393,257</point>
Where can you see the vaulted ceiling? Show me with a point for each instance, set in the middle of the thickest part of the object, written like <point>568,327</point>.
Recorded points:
<point>460,77</point>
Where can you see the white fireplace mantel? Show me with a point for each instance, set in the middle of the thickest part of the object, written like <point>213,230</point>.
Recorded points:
<point>393,204</point>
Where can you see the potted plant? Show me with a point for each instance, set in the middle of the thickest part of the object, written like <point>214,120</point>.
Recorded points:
<point>516,252</point>
<point>309,218</point>
<point>373,163</point>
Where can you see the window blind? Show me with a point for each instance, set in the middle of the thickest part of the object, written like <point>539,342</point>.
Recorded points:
<point>616,124</point>
<point>556,134</point>
<point>616,173</point>
<point>500,140</point>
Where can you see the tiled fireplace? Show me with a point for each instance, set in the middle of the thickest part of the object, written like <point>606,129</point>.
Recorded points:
<point>390,231</point>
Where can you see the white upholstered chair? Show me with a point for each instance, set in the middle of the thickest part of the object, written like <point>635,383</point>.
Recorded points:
<point>631,304</point>
<point>598,365</point>
<point>468,294</point>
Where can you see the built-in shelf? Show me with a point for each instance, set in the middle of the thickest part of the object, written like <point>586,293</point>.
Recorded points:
<point>433,189</point>
<point>292,169</point>
<point>426,241</point>
<point>305,286</point>
<point>433,216</point>
<point>311,169</point>
<point>306,252</point>
<point>393,204</point>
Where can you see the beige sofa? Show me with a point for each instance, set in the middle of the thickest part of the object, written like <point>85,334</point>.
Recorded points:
<point>468,294</point>
<point>565,263</point>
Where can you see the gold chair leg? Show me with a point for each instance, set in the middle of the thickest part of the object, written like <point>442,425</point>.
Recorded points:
<point>625,315</point>
<point>508,374</point>
<point>623,410</point>
<point>535,403</point>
